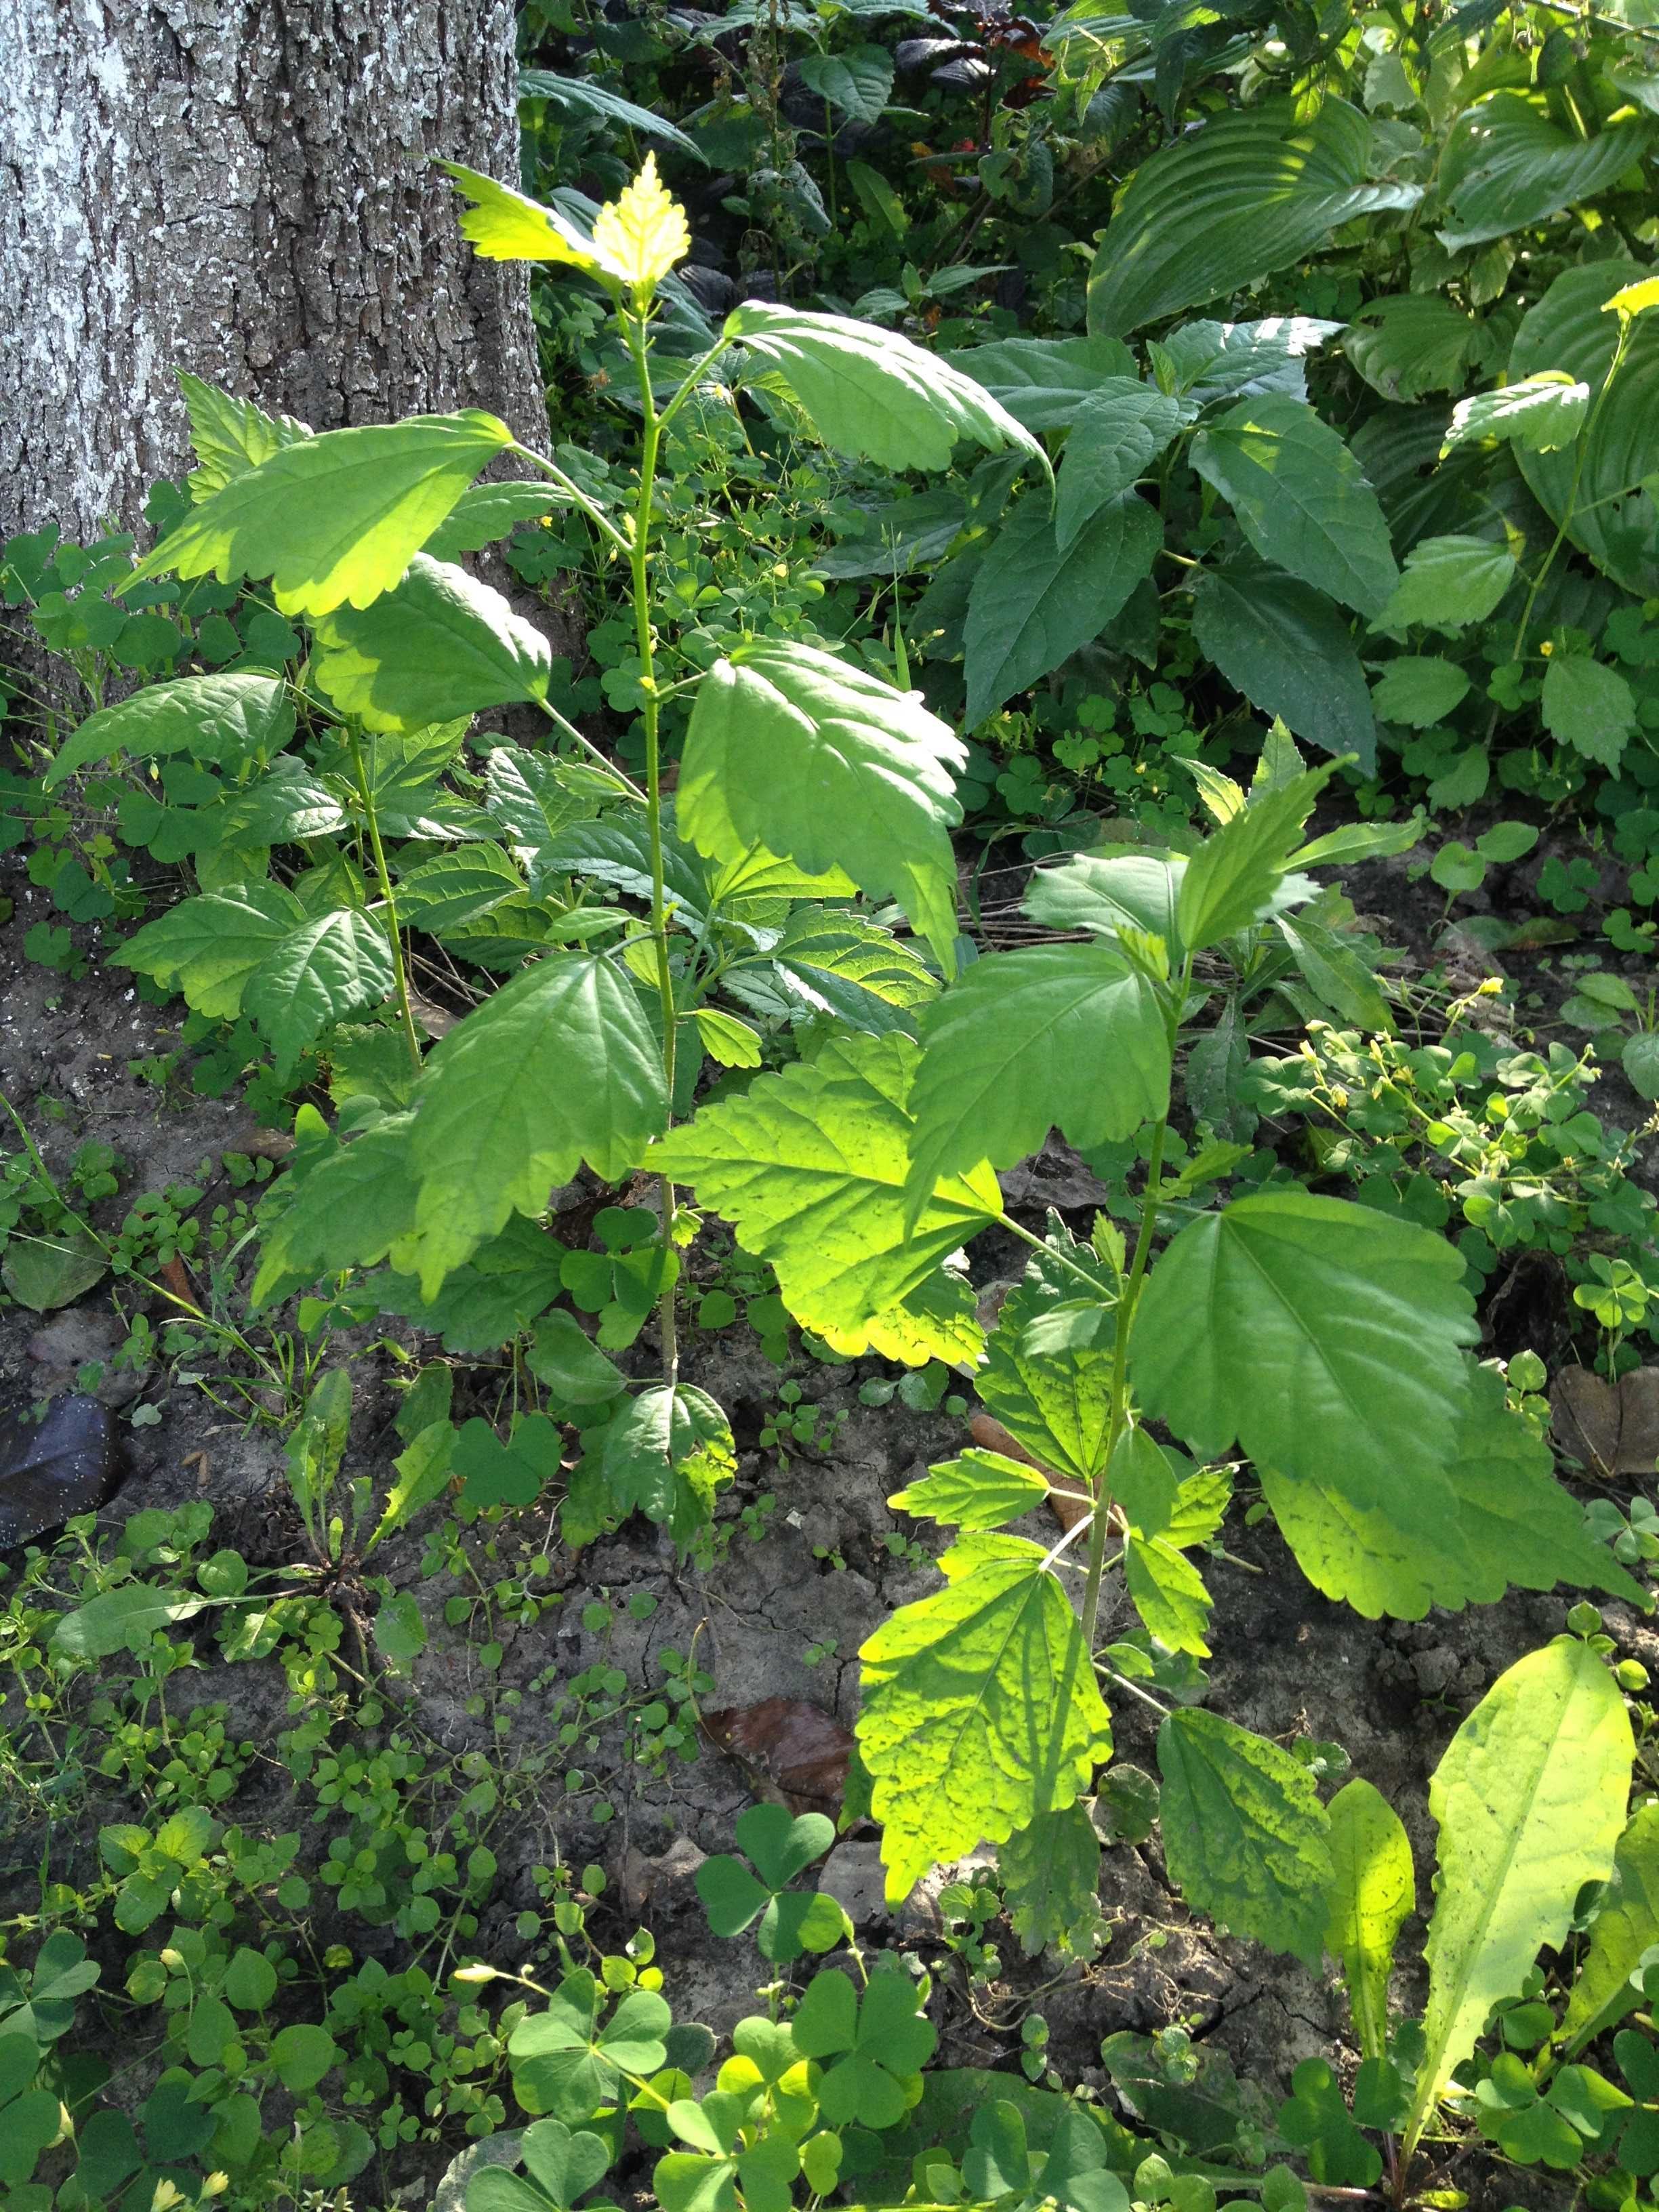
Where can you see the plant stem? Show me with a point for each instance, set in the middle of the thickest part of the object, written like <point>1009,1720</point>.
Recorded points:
<point>639,565</point>
<point>394,935</point>
<point>1625,326</point>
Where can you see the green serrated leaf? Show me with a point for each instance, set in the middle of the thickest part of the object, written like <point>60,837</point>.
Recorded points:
<point>1049,1873</point>
<point>334,519</point>
<point>1118,429</point>
<point>1235,877</point>
<point>1326,1336</point>
<point>224,720</point>
<point>210,946</point>
<point>559,1066</point>
<point>1530,1798</point>
<point>327,968</point>
<point>1537,413</point>
<point>1168,1592</point>
<point>1244,1833</point>
<point>1287,647</point>
<point>670,1439</point>
<point>980,1490</point>
<point>806,754</point>
<point>1420,689</point>
<point>1590,706</point>
<point>810,1165</point>
<point>440,644</point>
<point>980,1708</point>
<point>345,1210</point>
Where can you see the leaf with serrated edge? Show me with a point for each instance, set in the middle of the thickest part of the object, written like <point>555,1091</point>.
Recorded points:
<point>212,718</point>
<point>1326,1336</point>
<point>560,1067</point>
<point>808,1167</point>
<point>813,757</point>
<point>1066,1035</point>
<point>441,645</point>
<point>1049,1872</point>
<point>1168,1592</point>
<point>346,1211</point>
<point>1057,1404</point>
<point>980,1490</point>
<point>337,965</point>
<point>1244,1834</point>
<point>336,519</point>
<point>1530,1798</point>
<point>980,1708</point>
<point>1233,878</point>
<point>1374,1889</point>
<point>208,946</point>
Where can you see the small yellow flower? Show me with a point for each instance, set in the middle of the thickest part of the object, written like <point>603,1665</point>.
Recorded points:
<point>1548,647</point>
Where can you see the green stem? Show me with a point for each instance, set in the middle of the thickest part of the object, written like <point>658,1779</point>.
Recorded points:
<point>1625,326</point>
<point>568,729</point>
<point>1026,1237</point>
<point>383,874</point>
<point>639,564</point>
<point>595,513</point>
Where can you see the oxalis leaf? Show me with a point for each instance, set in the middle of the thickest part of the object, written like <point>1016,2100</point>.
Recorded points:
<point>1325,1336</point>
<point>560,1067</point>
<point>809,1166</point>
<point>1530,1798</point>
<point>980,1708</point>
<point>1052,1034</point>
<point>871,393</point>
<point>794,749</point>
<point>1244,1833</point>
<point>335,520</point>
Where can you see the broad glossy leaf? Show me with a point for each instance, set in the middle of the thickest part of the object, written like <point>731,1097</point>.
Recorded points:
<point>980,1709</point>
<point>208,946</point>
<point>1506,166</point>
<point>980,1490</point>
<point>1066,1035</point>
<point>231,436</point>
<point>559,1066</point>
<point>808,1167</point>
<point>1244,1833</point>
<point>811,756</point>
<point>1325,1337</point>
<point>1463,1532</point>
<point>1374,1889</point>
<point>1614,521</point>
<point>347,1210</point>
<point>1530,1798</point>
<point>336,519</point>
<point>1448,583</point>
<point>337,965</point>
<point>1300,497</point>
<point>1049,1874</point>
<point>439,646</point>
<point>871,393</point>
<point>1238,874</point>
<point>1046,383</point>
<point>1032,604</point>
<point>1116,431</point>
<point>1288,649</point>
<point>1247,192</point>
<point>1538,414</point>
<point>225,719</point>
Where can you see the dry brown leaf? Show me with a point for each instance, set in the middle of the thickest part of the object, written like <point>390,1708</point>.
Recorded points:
<point>1612,1428</point>
<point>793,1753</point>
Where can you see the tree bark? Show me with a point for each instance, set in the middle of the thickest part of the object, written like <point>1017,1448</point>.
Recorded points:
<point>243,188</point>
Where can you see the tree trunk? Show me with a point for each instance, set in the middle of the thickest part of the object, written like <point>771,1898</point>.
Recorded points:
<point>243,188</point>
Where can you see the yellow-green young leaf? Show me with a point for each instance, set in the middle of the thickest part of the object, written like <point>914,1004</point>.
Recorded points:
<point>725,1038</point>
<point>1066,1034</point>
<point>209,946</point>
<point>1245,1836</point>
<point>1462,1533</point>
<point>231,436</point>
<point>1373,1890</point>
<point>1050,1873</point>
<point>1626,1927</point>
<point>1631,299</point>
<point>1300,497</point>
<point>345,1210</point>
<point>335,964</point>
<point>1141,1479</point>
<point>1530,1798</point>
<point>808,1167</point>
<point>980,1490</point>
<point>642,233</point>
<point>504,225</point>
<point>814,758</point>
<point>560,1067</point>
<point>1325,1336</point>
<point>439,646</point>
<point>336,519</point>
<point>1168,1592</point>
<point>229,718</point>
<point>1236,876</point>
<point>873,395</point>
<point>979,1709</point>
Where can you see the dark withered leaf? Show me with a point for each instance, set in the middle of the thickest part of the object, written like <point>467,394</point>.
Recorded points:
<point>792,1753</point>
<point>51,1468</point>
